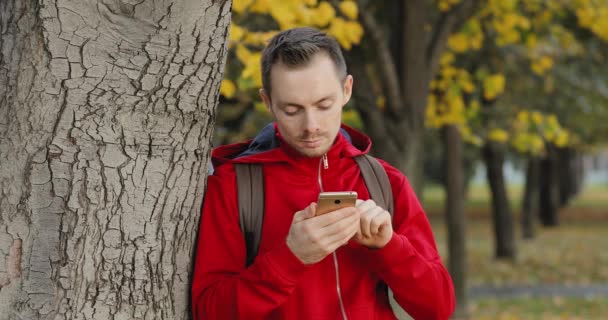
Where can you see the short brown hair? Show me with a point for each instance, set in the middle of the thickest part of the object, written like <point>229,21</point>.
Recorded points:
<point>295,47</point>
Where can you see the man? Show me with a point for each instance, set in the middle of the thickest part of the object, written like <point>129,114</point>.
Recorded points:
<point>331,266</point>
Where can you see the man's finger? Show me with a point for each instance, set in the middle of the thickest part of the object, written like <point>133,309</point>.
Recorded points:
<point>332,217</point>
<point>307,213</point>
<point>382,219</point>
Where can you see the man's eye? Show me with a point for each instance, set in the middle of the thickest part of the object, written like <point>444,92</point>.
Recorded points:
<point>290,111</point>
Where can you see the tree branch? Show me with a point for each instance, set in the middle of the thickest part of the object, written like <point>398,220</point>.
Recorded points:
<point>387,66</point>
<point>447,23</point>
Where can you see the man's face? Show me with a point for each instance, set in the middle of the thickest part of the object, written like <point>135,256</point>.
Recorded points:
<point>307,103</point>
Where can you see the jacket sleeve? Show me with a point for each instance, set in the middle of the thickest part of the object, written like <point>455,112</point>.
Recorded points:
<point>223,288</point>
<point>410,263</point>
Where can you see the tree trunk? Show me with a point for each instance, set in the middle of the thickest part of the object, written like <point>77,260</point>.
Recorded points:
<point>106,113</point>
<point>455,217</point>
<point>549,189</point>
<point>530,200</point>
<point>493,154</point>
<point>570,175</point>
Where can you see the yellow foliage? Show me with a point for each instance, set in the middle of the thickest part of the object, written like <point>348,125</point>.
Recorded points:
<point>537,118</point>
<point>346,32</point>
<point>445,5</point>
<point>261,108</point>
<point>458,42</point>
<point>261,6</point>
<point>446,59</point>
<point>287,14</point>
<point>304,15</point>
<point>523,117</point>
<point>283,14</point>
<point>498,135</point>
<point>227,89</point>
<point>493,86</point>
<point>349,9</point>
<point>239,6</point>
<point>531,41</point>
<point>258,38</point>
<point>323,14</point>
<point>252,64</point>
<point>236,33</point>
<point>541,65</point>
<point>562,138</point>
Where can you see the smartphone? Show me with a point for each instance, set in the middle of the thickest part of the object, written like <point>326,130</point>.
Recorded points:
<point>331,201</point>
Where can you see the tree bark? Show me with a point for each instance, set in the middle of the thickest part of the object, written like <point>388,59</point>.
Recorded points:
<point>549,189</point>
<point>493,154</point>
<point>530,199</point>
<point>106,112</point>
<point>570,175</point>
<point>455,217</point>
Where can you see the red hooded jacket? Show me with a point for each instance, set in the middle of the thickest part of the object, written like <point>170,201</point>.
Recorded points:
<point>278,285</point>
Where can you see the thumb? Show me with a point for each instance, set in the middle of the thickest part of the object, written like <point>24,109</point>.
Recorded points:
<point>307,213</point>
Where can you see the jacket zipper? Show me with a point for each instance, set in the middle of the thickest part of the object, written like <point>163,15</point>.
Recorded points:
<point>323,161</point>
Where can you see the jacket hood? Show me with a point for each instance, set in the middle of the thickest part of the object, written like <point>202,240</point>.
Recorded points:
<point>268,146</point>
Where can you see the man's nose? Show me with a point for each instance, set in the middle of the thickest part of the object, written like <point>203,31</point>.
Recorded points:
<point>312,122</point>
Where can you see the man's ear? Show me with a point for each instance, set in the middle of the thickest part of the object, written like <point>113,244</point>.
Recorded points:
<point>348,88</point>
<point>266,100</point>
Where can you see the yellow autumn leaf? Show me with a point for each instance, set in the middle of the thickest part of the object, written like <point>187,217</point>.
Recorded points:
<point>493,86</point>
<point>236,33</point>
<point>304,15</point>
<point>240,5</point>
<point>446,59</point>
<point>349,9</point>
<point>283,14</point>
<point>537,118</point>
<point>337,29</point>
<point>498,135</point>
<point>562,138</point>
<point>523,117</point>
<point>323,14</point>
<point>536,144</point>
<point>261,6</point>
<point>458,42</point>
<point>242,53</point>
<point>253,70</point>
<point>227,88</point>
<point>354,31</point>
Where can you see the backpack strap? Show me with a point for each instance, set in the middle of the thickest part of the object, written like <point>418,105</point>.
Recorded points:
<point>250,188</point>
<point>376,180</point>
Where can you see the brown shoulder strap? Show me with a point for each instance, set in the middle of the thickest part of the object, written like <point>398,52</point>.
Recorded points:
<point>250,186</point>
<point>377,182</point>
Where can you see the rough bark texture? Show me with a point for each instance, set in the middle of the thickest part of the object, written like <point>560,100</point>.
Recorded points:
<point>455,217</point>
<point>549,189</point>
<point>530,201</point>
<point>493,154</point>
<point>106,113</point>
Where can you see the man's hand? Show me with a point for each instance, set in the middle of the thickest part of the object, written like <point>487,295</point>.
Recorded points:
<point>312,238</point>
<point>376,226</point>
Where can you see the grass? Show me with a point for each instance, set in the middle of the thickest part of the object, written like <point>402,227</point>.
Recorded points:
<point>575,252</point>
<point>540,308</point>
